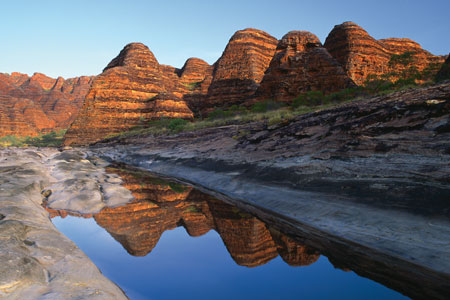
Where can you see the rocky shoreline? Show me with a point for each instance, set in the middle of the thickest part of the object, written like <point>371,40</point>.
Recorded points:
<point>39,262</point>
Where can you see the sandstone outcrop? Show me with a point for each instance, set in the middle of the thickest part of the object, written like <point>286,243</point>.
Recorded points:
<point>194,73</point>
<point>364,57</point>
<point>241,67</point>
<point>195,78</point>
<point>301,64</point>
<point>39,104</point>
<point>134,88</point>
<point>126,94</point>
<point>23,117</point>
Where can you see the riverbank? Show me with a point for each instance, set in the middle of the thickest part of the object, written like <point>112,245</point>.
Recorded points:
<point>38,262</point>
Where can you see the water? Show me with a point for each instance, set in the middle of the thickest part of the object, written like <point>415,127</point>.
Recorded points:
<point>175,242</point>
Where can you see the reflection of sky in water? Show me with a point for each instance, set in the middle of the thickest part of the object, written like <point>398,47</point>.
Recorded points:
<point>183,267</point>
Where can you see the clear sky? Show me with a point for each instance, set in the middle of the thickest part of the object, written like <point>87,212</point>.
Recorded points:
<point>72,38</point>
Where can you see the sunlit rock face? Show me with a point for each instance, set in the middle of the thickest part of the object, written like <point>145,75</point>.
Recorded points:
<point>301,64</point>
<point>363,56</point>
<point>241,67</point>
<point>128,93</point>
<point>195,79</point>
<point>38,104</point>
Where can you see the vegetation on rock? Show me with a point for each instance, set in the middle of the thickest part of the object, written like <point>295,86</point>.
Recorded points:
<point>51,139</point>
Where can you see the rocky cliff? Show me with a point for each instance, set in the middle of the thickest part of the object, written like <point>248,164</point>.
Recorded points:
<point>39,104</point>
<point>131,91</point>
<point>301,64</point>
<point>362,56</point>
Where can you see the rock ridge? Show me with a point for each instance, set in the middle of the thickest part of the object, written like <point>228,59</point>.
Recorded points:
<point>364,57</point>
<point>39,104</point>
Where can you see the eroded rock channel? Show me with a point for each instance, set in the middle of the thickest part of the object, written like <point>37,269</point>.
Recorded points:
<point>400,249</point>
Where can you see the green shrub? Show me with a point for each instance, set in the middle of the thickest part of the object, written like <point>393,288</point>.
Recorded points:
<point>377,85</point>
<point>177,187</point>
<point>51,139</point>
<point>311,98</point>
<point>11,140</point>
<point>265,106</point>
<point>403,59</point>
<point>177,125</point>
<point>219,114</point>
<point>405,82</point>
<point>193,85</point>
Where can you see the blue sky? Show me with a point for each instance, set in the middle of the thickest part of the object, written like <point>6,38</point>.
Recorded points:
<point>72,38</point>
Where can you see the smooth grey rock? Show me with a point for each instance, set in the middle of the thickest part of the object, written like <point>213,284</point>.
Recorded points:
<point>37,261</point>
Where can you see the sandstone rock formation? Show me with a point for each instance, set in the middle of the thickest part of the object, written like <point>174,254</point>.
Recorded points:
<point>363,56</point>
<point>241,67</point>
<point>134,88</point>
<point>126,94</point>
<point>39,104</point>
<point>301,64</point>
<point>23,117</point>
<point>195,78</point>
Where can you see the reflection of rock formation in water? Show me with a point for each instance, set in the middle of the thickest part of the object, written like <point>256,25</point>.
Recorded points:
<point>247,239</point>
<point>139,225</point>
<point>292,252</point>
<point>162,205</point>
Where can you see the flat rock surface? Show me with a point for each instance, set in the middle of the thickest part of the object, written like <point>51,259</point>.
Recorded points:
<point>38,262</point>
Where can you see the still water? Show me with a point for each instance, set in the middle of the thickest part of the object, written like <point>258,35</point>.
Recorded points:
<point>176,242</point>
